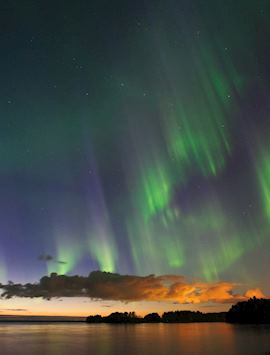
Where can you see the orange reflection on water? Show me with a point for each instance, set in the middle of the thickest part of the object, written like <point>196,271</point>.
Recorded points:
<point>117,339</point>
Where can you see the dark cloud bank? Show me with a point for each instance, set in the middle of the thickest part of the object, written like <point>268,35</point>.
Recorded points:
<point>109,286</point>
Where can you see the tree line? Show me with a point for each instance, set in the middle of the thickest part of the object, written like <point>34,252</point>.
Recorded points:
<point>252,311</point>
<point>167,317</point>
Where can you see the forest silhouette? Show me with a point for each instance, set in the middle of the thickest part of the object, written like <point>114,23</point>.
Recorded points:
<point>253,311</point>
<point>167,317</point>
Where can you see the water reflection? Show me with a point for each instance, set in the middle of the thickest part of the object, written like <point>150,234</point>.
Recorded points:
<point>150,339</point>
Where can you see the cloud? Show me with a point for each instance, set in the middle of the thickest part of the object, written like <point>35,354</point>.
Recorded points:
<point>116,287</point>
<point>14,309</point>
<point>47,257</point>
<point>255,292</point>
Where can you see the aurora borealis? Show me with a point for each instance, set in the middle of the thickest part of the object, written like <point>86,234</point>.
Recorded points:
<point>135,140</point>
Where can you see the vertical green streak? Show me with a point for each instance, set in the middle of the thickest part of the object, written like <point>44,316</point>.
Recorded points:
<point>103,252</point>
<point>221,257</point>
<point>154,190</point>
<point>3,272</point>
<point>263,172</point>
<point>68,255</point>
<point>197,128</point>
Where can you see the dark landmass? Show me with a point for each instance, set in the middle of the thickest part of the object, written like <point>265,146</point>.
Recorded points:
<point>253,311</point>
<point>167,317</point>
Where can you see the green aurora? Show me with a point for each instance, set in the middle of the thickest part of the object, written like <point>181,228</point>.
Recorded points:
<point>136,142</point>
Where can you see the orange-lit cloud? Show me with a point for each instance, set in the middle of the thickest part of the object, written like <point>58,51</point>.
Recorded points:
<point>109,286</point>
<point>255,292</point>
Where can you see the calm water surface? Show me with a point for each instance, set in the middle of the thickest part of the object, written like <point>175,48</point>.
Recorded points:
<point>150,339</point>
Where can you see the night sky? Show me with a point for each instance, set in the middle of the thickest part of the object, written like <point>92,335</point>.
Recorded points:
<point>134,139</point>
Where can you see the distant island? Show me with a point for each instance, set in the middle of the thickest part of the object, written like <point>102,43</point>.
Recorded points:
<point>253,311</point>
<point>167,317</point>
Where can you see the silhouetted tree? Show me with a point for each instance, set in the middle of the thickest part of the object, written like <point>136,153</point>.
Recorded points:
<point>125,317</point>
<point>152,318</point>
